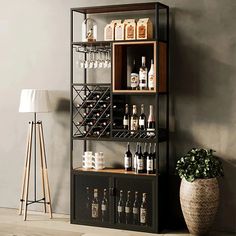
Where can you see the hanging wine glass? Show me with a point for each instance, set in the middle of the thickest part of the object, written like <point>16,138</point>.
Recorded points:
<point>100,64</point>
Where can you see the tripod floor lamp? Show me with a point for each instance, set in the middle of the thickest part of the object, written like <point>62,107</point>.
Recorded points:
<point>35,101</point>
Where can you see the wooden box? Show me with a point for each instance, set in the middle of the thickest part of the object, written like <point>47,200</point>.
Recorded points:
<point>130,29</point>
<point>109,30</point>
<point>144,29</point>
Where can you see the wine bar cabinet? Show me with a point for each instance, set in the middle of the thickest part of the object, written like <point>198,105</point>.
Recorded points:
<point>110,81</point>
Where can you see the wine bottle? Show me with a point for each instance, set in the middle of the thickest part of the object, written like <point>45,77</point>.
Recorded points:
<point>145,154</point>
<point>151,77</point>
<point>135,158</point>
<point>87,205</point>
<point>128,159</point>
<point>142,119</point>
<point>143,75</point>
<point>126,117</point>
<point>134,77</point>
<point>150,161</point>
<point>143,210</point>
<point>151,123</point>
<point>136,209</point>
<point>134,120</point>
<point>95,205</point>
<point>104,206</point>
<point>154,159</point>
<point>140,164</point>
<point>128,209</point>
<point>120,208</point>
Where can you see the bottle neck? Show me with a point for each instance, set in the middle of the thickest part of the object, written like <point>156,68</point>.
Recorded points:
<point>134,110</point>
<point>126,109</point>
<point>143,62</point>
<point>128,147</point>
<point>142,109</point>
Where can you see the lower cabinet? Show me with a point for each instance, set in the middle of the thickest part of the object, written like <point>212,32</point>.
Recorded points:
<point>115,201</point>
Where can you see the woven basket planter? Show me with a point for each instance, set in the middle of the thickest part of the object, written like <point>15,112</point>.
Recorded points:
<point>199,202</point>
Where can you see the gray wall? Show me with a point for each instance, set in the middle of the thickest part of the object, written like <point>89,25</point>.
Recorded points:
<point>34,46</point>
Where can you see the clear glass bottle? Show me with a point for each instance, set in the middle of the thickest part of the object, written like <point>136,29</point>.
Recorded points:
<point>151,122</point>
<point>143,75</point>
<point>134,120</point>
<point>151,77</point>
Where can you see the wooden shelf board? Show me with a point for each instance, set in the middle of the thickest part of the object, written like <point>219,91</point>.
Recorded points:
<point>113,171</point>
<point>135,91</point>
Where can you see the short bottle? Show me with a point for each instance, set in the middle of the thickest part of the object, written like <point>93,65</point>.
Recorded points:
<point>142,119</point>
<point>134,77</point>
<point>128,209</point>
<point>134,120</point>
<point>143,75</point>
<point>128,159</point>
<point>95,205</point>
<point>151,77</point>
<point>120,208</point>
<point>136,209</point>
<point>126,119</point>
<point>143,210</point>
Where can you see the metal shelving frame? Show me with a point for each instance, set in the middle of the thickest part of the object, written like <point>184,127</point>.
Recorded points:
<point>160,182</point>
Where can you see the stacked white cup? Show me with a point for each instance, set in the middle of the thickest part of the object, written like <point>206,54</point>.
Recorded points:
<point>88,160</point>
<point>98,161</point>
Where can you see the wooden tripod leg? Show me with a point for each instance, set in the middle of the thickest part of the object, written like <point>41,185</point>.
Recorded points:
<point>42,168</point>
<point>24,171</point>
<point>45,169</point>
<point>26,190</point>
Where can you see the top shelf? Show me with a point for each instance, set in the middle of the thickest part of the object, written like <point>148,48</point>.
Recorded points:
<point>120,8</point>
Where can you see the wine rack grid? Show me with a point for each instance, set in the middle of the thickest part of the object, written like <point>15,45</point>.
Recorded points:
<point>85,92</point>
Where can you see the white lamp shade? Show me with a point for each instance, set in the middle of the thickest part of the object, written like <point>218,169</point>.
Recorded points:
<point>34,100</point>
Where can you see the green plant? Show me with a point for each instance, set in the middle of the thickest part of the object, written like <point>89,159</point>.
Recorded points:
<point>199,164</point>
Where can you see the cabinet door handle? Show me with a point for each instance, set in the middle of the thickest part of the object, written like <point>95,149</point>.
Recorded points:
<point>111,191</point>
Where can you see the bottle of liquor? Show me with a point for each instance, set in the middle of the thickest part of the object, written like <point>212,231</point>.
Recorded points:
<point>150,161</point>
<point>143,75</point>
<point>134,77</point>
<point>140,164</point>
<point>128,159</point>
<point>145,154</point>
<point>95,205</point>
<point>135,158</point>
<point>151,123</point>
<point>88,206</point>
<point>136,209</point>
<point>134,120</point>
<point>151,77</point>
<point>128,209</point>
<point>120,208</point>
<point>126,117</point>
<point>143,210</point>
<point>142,119</point>
<point>154,159</point>
<point>104,206</point>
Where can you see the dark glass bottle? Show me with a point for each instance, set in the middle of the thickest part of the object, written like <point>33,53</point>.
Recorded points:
<point>95,205</point>
<point>134,163</point>
<point>136,209</point>
<point>142,119</point>
<point>150,161</point>
<point>151,123</point>
<point>134,120</point>
<point>128,209</point>
<point>120,208</point>
<point>145,154</point>
<point>134,77</point>
<point>104,206</point>
<point>126,118</point>
<point>128,159</point>
<point>140,164</point>
<point>88,203</point>
<point>143,210</point>
<point>154,159</point>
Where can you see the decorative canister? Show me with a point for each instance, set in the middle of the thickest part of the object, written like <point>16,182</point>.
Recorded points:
<point>89,30</point>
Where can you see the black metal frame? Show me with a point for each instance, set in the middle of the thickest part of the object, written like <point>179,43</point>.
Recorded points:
<point>160,181</point>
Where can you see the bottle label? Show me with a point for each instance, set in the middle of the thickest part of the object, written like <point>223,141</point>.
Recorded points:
<point>142,78</point>
<point>104,207</point>
<point>134,124</point>
<point>151,131</point>
<point>141,122</point>
<point>127,161</point>
<point>143,216</point>
<point>134,80</point>
<point>127,209</point>
<point>135,210</point>
<point>125,122</point>
<point>150,165</point>
<point>120,209</point>
<point>151,82</point>
<point>94,210</point>
<point>140,164</point>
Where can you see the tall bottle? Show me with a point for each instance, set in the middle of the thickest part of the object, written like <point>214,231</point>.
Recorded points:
<point>151,123</point>
<point>151,76</point>
<point>95,205</point>
<point>135,158</point>
<point>120,208</point>
<point>143,210</point>
<point>150,161</point>
<point>140,164</point>
<point>142,119</point>
<point>128,209</point>
<point>136,209</point>
<point>145,154</point>
<point>126,117</point>
<point>134,77</point>
<point>154,159</point>
<point>104,206</point>
<point>143,75</point>
<point>128,159</point>
<point>88,203</point>
<point>134,120</point>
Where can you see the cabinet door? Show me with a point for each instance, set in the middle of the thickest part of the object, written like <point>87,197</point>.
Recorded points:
<point>142,219</point>
<point>89,199</point>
